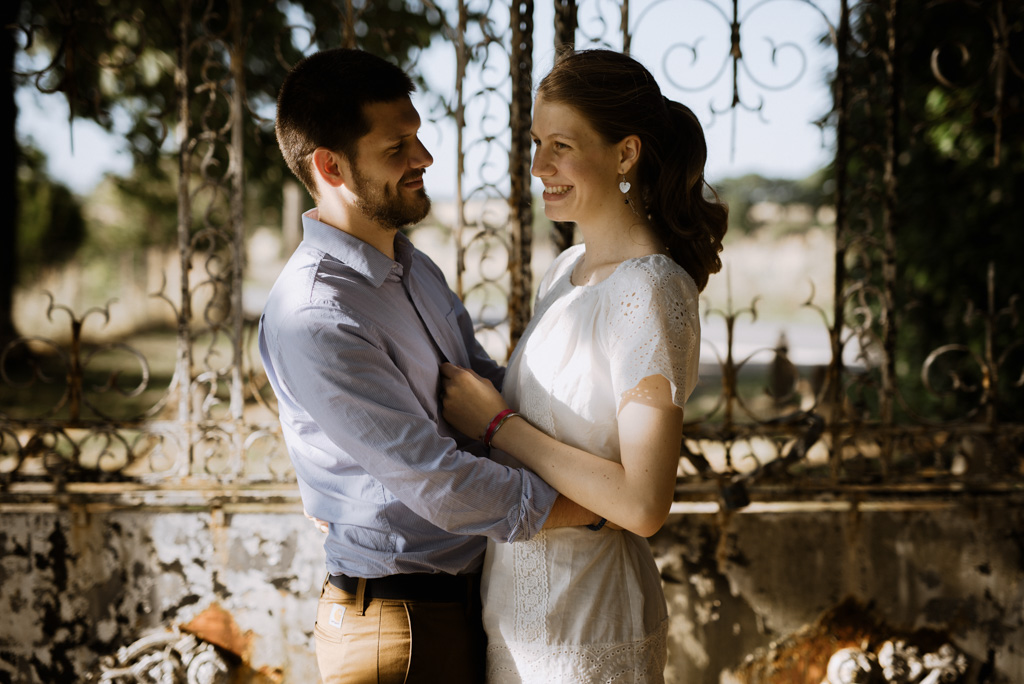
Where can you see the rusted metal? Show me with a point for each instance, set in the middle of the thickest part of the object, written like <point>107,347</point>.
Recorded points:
<point>834,379</point>
<point>893,77</point>
<point>833,441</point>
<point>565,25</point>
<point>183,367</point>
<point>565,41</point>
<point>520,198</point>
<point>627,36</point>
<point>236,180</point>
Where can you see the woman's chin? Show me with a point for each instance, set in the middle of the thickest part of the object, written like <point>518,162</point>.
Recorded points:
<point>555,214</point>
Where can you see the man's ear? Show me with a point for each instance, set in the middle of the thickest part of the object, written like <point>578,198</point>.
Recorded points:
<point>330,167</point>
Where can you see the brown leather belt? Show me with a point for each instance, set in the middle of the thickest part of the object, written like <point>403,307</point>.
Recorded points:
<point>434,587</point>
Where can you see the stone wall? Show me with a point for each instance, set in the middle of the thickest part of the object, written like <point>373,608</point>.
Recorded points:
<point>90,573</point>
<point>745,586</point>
<point>80,580</point>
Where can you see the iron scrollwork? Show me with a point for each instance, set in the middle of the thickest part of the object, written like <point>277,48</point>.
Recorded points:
<point>215,418</point>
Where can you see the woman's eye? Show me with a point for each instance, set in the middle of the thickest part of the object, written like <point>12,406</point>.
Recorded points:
<point>560,146</point>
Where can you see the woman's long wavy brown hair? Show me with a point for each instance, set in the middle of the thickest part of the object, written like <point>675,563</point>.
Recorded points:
<point>619,97</point>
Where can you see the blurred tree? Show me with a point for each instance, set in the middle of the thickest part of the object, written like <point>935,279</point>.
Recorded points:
<point>51,227</point>
<point>115,63</point>
<point>9,11</point>
<point>743,192</point>
<point>959,168</point>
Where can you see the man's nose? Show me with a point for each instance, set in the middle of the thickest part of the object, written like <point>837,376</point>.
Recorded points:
<point>421,157</point>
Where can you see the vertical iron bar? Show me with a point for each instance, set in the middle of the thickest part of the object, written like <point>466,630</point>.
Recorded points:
<point>348,27</point>
<point>565,41</point>
<point>627,38</point>
<point>520,201</point>
<point>237,180</point>
<point>990,374</point>
<point>729,370</point>
<point>834,383</point>
<point>460,165</point>
<point>736,54</point>
<point>75,372</point>
<point>893,77</point>
<point>1002,50</point>
<point>565,25</point>
<point>183,370</point>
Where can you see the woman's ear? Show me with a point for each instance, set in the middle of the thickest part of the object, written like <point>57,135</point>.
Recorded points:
<point>329,166</point>
<point>629,153</point>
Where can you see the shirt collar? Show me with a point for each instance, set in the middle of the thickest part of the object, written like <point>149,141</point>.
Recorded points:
<point>365,260</point>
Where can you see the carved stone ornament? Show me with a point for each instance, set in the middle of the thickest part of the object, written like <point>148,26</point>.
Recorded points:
<point>896,663</point>
<point>165,658</point>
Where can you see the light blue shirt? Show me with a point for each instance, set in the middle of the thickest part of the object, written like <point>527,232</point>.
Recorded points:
<point>352,342</point>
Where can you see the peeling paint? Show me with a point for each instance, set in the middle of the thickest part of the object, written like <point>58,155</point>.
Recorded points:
<point>75,594</point>
<point>248,581</point>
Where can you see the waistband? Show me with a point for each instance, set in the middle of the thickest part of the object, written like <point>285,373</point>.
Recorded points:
<point>433,587</point>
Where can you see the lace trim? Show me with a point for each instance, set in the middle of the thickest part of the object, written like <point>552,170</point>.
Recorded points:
<point>641,661</point>
<point>530,584</point>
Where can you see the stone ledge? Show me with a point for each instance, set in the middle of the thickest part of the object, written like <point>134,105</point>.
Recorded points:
<point>97,497</point>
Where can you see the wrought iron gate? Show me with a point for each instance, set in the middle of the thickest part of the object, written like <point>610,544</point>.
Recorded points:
<point>214,420</point>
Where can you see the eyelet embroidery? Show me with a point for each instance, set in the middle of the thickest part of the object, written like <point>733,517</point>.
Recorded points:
<point>641,661</point>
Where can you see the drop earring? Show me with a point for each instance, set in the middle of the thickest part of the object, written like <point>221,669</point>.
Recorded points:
<point>624,189</point>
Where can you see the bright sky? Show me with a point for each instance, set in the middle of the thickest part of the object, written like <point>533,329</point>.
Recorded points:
<point>685,44</point>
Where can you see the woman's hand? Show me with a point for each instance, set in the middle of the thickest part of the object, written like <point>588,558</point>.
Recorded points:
<point>470,401</point>
<point>320,524</point>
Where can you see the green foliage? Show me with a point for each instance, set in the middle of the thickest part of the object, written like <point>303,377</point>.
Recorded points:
<point>117,64</point>
<point>744,192</point>
<point>51,223</point>
<point>123,66</point>
<point>133,213</point>
<point>959,175</point>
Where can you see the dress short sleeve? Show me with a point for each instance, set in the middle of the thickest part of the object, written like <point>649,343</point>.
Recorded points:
<point>653,326</point>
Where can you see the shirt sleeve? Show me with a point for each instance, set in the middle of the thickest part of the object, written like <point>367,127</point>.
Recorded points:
<point>654,329</point>
<point>356,412</point>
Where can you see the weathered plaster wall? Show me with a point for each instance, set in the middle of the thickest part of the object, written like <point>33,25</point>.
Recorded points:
<point>736,583</point>
<point>79,583</point>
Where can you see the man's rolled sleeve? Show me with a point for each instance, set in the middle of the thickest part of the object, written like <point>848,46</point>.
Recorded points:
<point>374,419</point>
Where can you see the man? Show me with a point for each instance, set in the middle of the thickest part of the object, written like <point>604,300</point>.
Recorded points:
<point>352,338</point>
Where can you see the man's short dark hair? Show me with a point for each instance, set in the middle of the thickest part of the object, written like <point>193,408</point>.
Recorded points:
<point>321,105</point>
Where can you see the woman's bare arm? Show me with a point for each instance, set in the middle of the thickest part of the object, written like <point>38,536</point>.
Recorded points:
<point>635,494</point>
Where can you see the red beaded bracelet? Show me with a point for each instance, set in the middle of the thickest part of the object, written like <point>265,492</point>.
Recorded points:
<point>498,421</point>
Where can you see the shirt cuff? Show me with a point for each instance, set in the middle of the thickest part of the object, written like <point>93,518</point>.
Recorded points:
<point>538,499</point>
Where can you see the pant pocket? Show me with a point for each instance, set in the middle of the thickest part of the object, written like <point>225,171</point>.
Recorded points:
<point>395,647</point>
<point>346,642</point>
<point>355,649</point>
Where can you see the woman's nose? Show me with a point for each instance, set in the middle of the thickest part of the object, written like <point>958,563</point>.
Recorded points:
<point>541,165</point>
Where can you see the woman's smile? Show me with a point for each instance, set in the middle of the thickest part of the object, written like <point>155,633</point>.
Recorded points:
<point>555,192</point>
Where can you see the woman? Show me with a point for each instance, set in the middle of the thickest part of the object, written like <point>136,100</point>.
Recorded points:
<point>600,376</point>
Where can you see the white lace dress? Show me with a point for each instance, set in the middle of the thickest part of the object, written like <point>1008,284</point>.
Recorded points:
<point>573,605</point>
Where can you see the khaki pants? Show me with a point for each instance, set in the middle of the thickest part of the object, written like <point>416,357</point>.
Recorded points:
<point>396,642</point>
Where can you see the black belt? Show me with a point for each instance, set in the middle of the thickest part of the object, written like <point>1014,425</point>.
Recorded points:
<point>435,587</point>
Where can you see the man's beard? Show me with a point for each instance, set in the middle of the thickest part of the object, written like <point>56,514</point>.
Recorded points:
<point>385,207</point>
